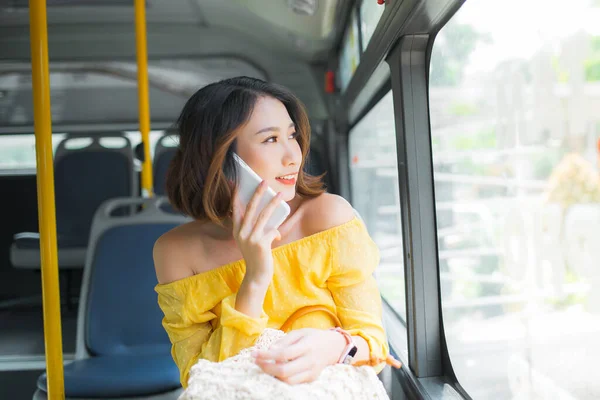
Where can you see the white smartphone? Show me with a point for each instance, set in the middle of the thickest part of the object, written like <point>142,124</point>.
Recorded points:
<point>248,182</point>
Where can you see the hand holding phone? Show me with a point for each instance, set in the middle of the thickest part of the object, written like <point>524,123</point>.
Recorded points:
<point>258,212</point>
<point>248,182</point>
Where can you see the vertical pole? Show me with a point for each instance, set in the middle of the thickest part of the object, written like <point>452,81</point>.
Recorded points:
<point>45,193</point>
<point>143,94</point>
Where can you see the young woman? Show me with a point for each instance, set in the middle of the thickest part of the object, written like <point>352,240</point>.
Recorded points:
<point>223,279</point>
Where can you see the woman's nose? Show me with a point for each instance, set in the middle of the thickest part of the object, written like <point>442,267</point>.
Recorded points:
<point>291,156</point>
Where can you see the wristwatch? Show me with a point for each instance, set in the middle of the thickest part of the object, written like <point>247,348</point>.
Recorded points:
<point>350,349</point>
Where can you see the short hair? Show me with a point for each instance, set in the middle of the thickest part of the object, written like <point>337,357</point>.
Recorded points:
<point>199,176</point>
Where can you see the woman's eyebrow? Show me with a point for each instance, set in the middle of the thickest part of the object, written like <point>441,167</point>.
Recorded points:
<point>273,128</point>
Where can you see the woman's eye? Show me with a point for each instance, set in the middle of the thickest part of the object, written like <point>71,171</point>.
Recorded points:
<point>273,139</point>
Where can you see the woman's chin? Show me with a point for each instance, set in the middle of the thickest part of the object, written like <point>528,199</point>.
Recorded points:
<point>289,195</point>
<point>288,192</point>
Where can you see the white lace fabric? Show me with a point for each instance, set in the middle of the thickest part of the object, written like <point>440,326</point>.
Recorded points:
<point>239,378</point>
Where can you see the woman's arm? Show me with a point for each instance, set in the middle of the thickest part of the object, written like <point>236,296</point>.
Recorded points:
<point>250,297</point>
<point>255,245</point>
<point>353,287</point>
<point>188,307</point>
<point>355,294</point>
<point>242,316</point>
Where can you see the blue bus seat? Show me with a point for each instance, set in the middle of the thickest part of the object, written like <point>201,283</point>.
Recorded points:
<point>122,350</point>
<point>84,177</point>
<point>117,376</point>
<point>165,150</point>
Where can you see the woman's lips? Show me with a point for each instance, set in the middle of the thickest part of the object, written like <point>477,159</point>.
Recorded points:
<point>287,180</point>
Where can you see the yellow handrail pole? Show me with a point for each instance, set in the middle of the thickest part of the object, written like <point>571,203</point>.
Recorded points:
<point>45,193</point>
<point>143,95</point>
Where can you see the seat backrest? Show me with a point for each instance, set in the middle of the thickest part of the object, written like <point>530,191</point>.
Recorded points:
<point>86,176</point>
<point>165,150</point>
<point>118,310</point>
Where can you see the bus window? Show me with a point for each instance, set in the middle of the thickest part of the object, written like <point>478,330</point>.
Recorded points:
<point>361,25</point>
<point>17,153</point>
<point>375,195</point>
<point>349,54</point>
<point>515,129</point>
<point>370,14</point>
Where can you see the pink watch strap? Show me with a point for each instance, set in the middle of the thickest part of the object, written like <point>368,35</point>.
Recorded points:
<point>349,344</point>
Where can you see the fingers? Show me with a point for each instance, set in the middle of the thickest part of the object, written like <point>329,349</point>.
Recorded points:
<point>281,354</point>
<point>249,214</point>
<point>291,359</point>
<point>301,377</point>
<point>266,214</point>
<point>295,370</point>
<point>272,235</point>
<point>237,214</point>
<point>289,339</point>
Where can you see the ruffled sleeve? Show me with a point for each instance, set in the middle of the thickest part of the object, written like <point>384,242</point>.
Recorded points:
<point>355,293</point>
<point>202,322</point>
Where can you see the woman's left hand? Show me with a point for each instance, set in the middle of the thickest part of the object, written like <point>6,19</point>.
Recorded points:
<point>301,355</point>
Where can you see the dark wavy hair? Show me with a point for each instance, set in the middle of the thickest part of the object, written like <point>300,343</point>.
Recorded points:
<point>199,176</point>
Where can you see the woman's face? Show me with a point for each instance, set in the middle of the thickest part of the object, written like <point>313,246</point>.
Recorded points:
<point>267,143</point>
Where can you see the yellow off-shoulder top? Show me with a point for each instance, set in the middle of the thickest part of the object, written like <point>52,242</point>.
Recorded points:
<point>332,268</point>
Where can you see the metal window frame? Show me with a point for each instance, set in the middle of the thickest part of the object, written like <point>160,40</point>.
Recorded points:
<point>415,174</point>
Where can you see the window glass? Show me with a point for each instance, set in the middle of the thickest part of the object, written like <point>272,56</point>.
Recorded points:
<point>350,53</point>
<point>376,195</point>
<point>370,14</point>
<point>17,153</point>
<point>515,130</point>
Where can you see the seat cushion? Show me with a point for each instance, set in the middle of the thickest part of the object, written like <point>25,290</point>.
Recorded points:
<point>29,258</point>
<point>119,376</point>
<point>25,251</point>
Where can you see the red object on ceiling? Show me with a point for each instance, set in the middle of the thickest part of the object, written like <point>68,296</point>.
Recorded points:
<point>329,82</point>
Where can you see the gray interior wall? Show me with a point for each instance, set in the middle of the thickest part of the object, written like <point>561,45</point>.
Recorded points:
<point>174,34</point>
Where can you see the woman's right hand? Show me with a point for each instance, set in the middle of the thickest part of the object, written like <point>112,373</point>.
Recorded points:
<point>252,240</point>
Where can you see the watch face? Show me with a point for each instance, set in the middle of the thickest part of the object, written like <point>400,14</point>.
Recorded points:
<point>350,356</point>
<point>353,351</point>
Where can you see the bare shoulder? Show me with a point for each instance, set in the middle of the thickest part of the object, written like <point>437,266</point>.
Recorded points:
<point>174,253</point>
<point>325,212</point>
